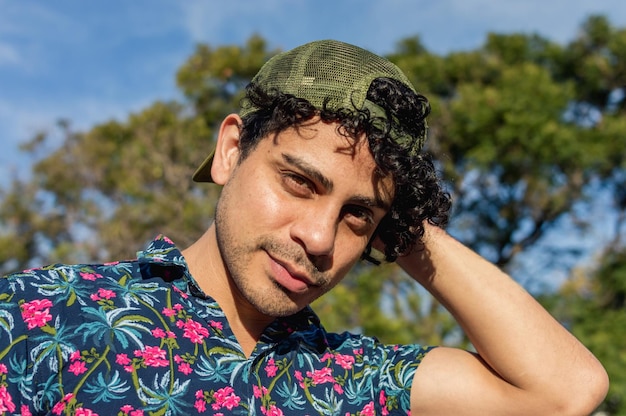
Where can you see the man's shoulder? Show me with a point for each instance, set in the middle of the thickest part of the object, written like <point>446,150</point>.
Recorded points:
<point>91,271</point>
<point>55,278</point>
<point>160,252</point>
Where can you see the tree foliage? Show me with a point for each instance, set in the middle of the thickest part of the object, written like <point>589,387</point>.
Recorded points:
<point>526,132</point>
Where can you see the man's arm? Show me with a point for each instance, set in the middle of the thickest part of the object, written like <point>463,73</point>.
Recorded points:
<point>526,362</point>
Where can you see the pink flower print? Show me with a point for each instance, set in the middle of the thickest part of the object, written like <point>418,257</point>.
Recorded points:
<point>90,276</point>
<point>271,368</point>
<point>153,357</point>
<point>259,391</point>
<point>231,401</point>
<point>122,359</point>
<point>36,313</point>
<point>77,367</point>
<point>194,331</point>
<point>345,361</point>
<point>126,409</point>
<point>84,412</point>
<point>368,410</point>
<point>220,394</point>
<point>106,293</point>
<point>36,305</point>
<point>200,406</point>
<point>60,406</point>
<point>338,388</point>
<point>185,368</point>
<point>216,325</point>
<point>327,356</point>
<point>3,369</point>
<point>25,411</point>
<point>225,397</point>
<point>169,312</point>
<point>6,401</point>
<point>102,294</point>
<point>298,375</point>
<point>75,356</point>
<point>158,333</point>
<point>382,400</point>
<point>137,412</point>
<point>321,376</point>
<point>272,411</point>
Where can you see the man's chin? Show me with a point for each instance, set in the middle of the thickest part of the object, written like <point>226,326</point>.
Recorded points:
<point>281,305</point>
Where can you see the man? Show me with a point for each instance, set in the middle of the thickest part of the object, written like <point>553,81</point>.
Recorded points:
<point>321,165</point>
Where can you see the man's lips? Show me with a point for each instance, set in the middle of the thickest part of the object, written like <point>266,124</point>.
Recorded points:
<point>289,276</point>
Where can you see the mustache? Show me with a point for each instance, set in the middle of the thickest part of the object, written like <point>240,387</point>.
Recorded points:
<point>295,257</point>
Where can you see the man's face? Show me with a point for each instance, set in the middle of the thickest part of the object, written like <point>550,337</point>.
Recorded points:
<point>296,214</point>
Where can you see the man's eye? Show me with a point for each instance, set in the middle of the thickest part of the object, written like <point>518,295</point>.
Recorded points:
<point>297,183</point>
<point>358,215</point>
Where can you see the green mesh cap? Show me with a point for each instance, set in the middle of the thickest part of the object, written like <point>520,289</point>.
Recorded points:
<point>326,72</point>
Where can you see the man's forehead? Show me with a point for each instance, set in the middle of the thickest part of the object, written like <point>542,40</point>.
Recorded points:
<point>341,141</point>
<point>312,149</point>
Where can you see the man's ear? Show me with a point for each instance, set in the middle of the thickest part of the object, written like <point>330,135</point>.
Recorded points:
<point>226,154</point>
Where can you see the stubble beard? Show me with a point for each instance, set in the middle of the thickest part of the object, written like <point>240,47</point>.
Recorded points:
<point>237,257</point>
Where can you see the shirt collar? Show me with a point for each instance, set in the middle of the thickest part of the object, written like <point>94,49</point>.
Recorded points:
<point>162,251</point>
<point>162,259</point>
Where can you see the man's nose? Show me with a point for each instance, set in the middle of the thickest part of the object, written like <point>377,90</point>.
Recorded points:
<point>316,231</point>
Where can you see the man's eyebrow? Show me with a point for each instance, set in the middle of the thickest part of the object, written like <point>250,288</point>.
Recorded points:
<point>371,202</point>
<point>309,170</point>
<point>314,173</point>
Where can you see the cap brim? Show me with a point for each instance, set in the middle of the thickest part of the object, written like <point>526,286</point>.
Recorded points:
<point>203,173</point>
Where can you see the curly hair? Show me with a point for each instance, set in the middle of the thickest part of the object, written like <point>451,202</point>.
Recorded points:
<point>418,194</point>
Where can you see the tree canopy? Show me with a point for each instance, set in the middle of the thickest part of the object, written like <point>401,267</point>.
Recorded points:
<point>528,136</point>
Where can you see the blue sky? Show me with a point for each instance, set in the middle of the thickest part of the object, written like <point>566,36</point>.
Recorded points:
<point>89,60</point>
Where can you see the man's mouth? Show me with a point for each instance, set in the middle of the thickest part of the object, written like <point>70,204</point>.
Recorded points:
<point>290,276</point>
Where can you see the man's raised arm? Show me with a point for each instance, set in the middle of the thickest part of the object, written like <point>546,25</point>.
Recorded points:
<point>526,362</point>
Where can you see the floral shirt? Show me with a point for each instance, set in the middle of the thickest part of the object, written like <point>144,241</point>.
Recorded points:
<point>140,338</point>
